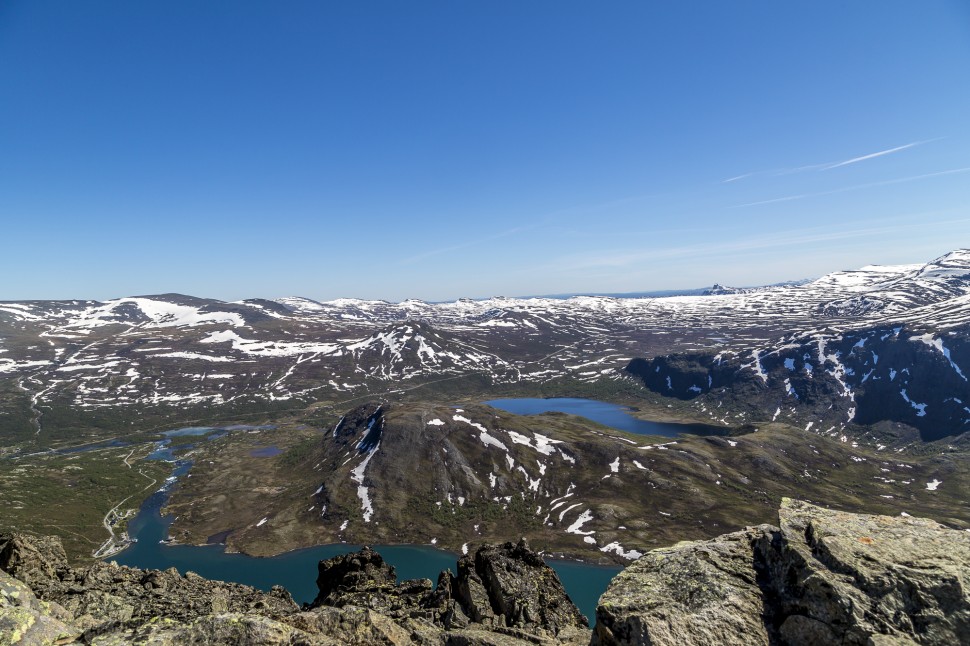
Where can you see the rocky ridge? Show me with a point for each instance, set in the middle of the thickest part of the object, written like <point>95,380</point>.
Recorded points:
<point>819,577</point>
<point>503,595</point>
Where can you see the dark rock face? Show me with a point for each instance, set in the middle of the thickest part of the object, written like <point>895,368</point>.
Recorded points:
<point>822,577</point>
<point>357,573</point>
<point>883,374</point>
<point>684,376</point>
<point>520,588</point>
<point>366,420</point>
<point>364,580</point>
<point>32,559</point>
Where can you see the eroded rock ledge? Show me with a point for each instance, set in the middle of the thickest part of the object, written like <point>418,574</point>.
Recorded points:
<point>821,577</point>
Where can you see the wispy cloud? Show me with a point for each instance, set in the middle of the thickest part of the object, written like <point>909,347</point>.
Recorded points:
<point>546,220</point>
<point>828,165</point>
<point>464,245</point>
<point>856,187</point>
<point>745,176</point>
<point>888,151</point>
<point>623,258</point>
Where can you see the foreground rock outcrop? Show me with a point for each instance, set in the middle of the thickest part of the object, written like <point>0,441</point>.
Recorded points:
<point>822,577</point>
<point>507,589</point>
<point>504,595</point>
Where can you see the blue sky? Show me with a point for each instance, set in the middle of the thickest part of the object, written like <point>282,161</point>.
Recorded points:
<point>444,149</point>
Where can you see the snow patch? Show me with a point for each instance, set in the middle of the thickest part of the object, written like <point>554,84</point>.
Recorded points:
<point>576,527</point>
<point>486,438</point>
<point>616,548</point>
<point>357,476</point>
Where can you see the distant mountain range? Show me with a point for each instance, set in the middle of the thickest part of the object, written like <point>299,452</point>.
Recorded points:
<point>850,389</point>
<point>882,342</point>
<point>663,293</point>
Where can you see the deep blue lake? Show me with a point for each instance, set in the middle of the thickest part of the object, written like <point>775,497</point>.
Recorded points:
<point>297,570</point>
<point>612,415</point>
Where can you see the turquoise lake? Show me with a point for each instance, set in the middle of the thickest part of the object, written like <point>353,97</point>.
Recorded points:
<point>297,570</point>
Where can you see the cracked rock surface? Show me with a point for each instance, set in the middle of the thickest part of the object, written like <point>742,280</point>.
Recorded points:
<point>820,577</point>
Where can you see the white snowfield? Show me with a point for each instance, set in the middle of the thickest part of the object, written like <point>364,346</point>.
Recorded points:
<point>159,313</point>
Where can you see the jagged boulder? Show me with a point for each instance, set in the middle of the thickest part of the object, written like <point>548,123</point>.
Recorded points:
<point>105,597</point>
<point>505,588</point>
<point>223,629</point>
<point>105,592</point>
<point>32,559</point>
<point>700,592</point>
<point>513,583</point>
<point>352,573</point>
<point>354,625</point>
<point>359,602</point>
<point>365,580</point>
<point>822,577</point>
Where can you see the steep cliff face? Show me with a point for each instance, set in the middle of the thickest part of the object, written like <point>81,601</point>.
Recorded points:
<point>821,577</point>
<point>907,374</point>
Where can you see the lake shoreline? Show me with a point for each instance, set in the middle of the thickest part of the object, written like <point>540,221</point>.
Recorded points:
<point>154,548</point>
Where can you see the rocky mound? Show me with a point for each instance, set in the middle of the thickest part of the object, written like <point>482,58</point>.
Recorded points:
<point>507,588</point>
<point>822,577</point>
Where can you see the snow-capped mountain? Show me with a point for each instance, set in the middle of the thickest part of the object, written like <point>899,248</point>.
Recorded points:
<point>179,351</point>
